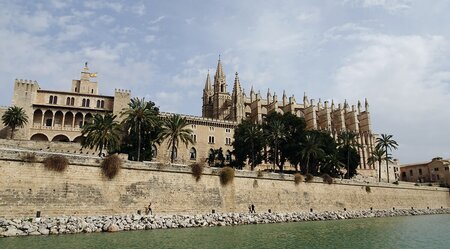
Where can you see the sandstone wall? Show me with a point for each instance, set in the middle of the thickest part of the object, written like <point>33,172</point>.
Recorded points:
<point>81,190</point>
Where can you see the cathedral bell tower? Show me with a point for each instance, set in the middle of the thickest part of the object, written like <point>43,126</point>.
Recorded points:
<point>208,94</point>
<point>221,98</point>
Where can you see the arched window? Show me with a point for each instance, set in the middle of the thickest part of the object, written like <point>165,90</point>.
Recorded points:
<point>83,103</point>
<point>72,101</point>
<point>174,155</point>
<point>55,100</point>
<point>98,103</point>
<point>76,89</point>
<point>154,151</point>
<point>68,101</point>
<point>193,153</point>
<point>92,90</point>
<point>222,88</point>
<point>87,102</point>
<point>50,99</point>
<point>102,104</point>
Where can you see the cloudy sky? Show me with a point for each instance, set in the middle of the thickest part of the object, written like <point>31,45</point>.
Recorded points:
<point>394,52</point>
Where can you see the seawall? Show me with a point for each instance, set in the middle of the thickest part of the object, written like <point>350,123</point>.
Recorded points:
<point>81,190</point>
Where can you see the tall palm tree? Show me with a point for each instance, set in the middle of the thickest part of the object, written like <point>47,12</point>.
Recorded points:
<point>387,143</point>
<point>378,156</point>
<point>102,133</point>
<point>311,148</point>
<point>347,139</point>
<point>175,130</point>
<point>253,135</point>
<point>14,117</point>
<point>138,115</point>
<point>275,133</point>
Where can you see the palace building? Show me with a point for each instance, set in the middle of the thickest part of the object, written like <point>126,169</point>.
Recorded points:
<point>59,116</point>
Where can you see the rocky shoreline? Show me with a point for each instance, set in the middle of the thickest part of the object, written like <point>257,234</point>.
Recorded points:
<point>90,224</point>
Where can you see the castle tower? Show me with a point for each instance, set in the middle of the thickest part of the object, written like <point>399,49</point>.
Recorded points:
<point>84,84</point>
<point>121,100</point>
<point>207,107</point>
<point>237,108</point>
<point>221,98</point>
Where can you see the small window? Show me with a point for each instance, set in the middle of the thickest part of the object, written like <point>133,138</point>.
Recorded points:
<point>83,103</point>
<point>72,101</point>
<point>193,126</point>
<point>92,90</point>
<point>50,99</point>
<point>411,172</point>
<point>55,100</point>
<point>227,141</point>
<point>436,169</point>
<point>211,128</point>
<point>446,168</point>
<point>68,101</point>
<point>102,104</point>
<point>211,139</point>
<point>87,102</point>
<point>98,103</point>
<point>193,153</point>
<point>76,89</point>
<point>194,137</point>
<point>227,130</point>
<point>420,171</point>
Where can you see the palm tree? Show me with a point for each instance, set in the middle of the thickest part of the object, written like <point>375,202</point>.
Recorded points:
<point>275,134</point>
<point>347,139</point>
<point>311,148</point>
<point>14,117</point>
<point>174,129</point>
<point>139,115</point>
<point>253,135</point>
<point>387,143</point>
<point>378,156</point>
<point>103,132</point>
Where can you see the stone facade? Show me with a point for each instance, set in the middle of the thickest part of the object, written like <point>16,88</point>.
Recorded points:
<point>59,116</point>
<point>437,170</point>
<point>26,188</point>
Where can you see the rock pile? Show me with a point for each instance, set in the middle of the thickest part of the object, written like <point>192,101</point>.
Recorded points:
<point>90,224</point>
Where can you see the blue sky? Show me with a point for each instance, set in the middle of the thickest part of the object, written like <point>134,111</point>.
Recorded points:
<point>394,52</point>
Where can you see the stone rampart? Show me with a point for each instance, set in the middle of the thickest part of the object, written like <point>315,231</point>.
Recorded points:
<point>26,188</point>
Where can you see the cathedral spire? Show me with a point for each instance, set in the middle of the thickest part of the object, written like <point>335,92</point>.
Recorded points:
<point>237,84</point>
<point>208,86</point>
<point>219,70</point>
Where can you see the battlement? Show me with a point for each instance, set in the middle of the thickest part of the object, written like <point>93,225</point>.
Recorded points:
<point>25,81</point>
<point>122,91</point>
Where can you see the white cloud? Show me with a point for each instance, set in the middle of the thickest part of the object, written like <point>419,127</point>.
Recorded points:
<point>390,5</point>
<point>403,80</point>
<point>139,9</point>
<point>115,6</point>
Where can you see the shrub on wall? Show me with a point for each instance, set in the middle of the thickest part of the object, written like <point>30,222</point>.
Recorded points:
<point>197,170</point>
<point>259,174</point>
<point>298,178</point>
<point>368,190</point>
<point>56,162</point>
<point>327,179</point>
<point>111,166</point>
<point>226,175</point>
<point>29,157</point>
<point>309,177</point>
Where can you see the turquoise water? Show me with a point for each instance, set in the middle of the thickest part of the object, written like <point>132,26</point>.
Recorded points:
<point>430,231</point>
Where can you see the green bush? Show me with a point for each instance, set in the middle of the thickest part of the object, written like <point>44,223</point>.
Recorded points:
<point>197,170</point>
<point>396,183</point>
<point>327,179</point>
<point>226,175</point>
<point>368,190</point>
<point>111,166</point>
<point>29,157</point>
<point>309,177</point>
<point>298,178</point>
<point>56,163</point>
